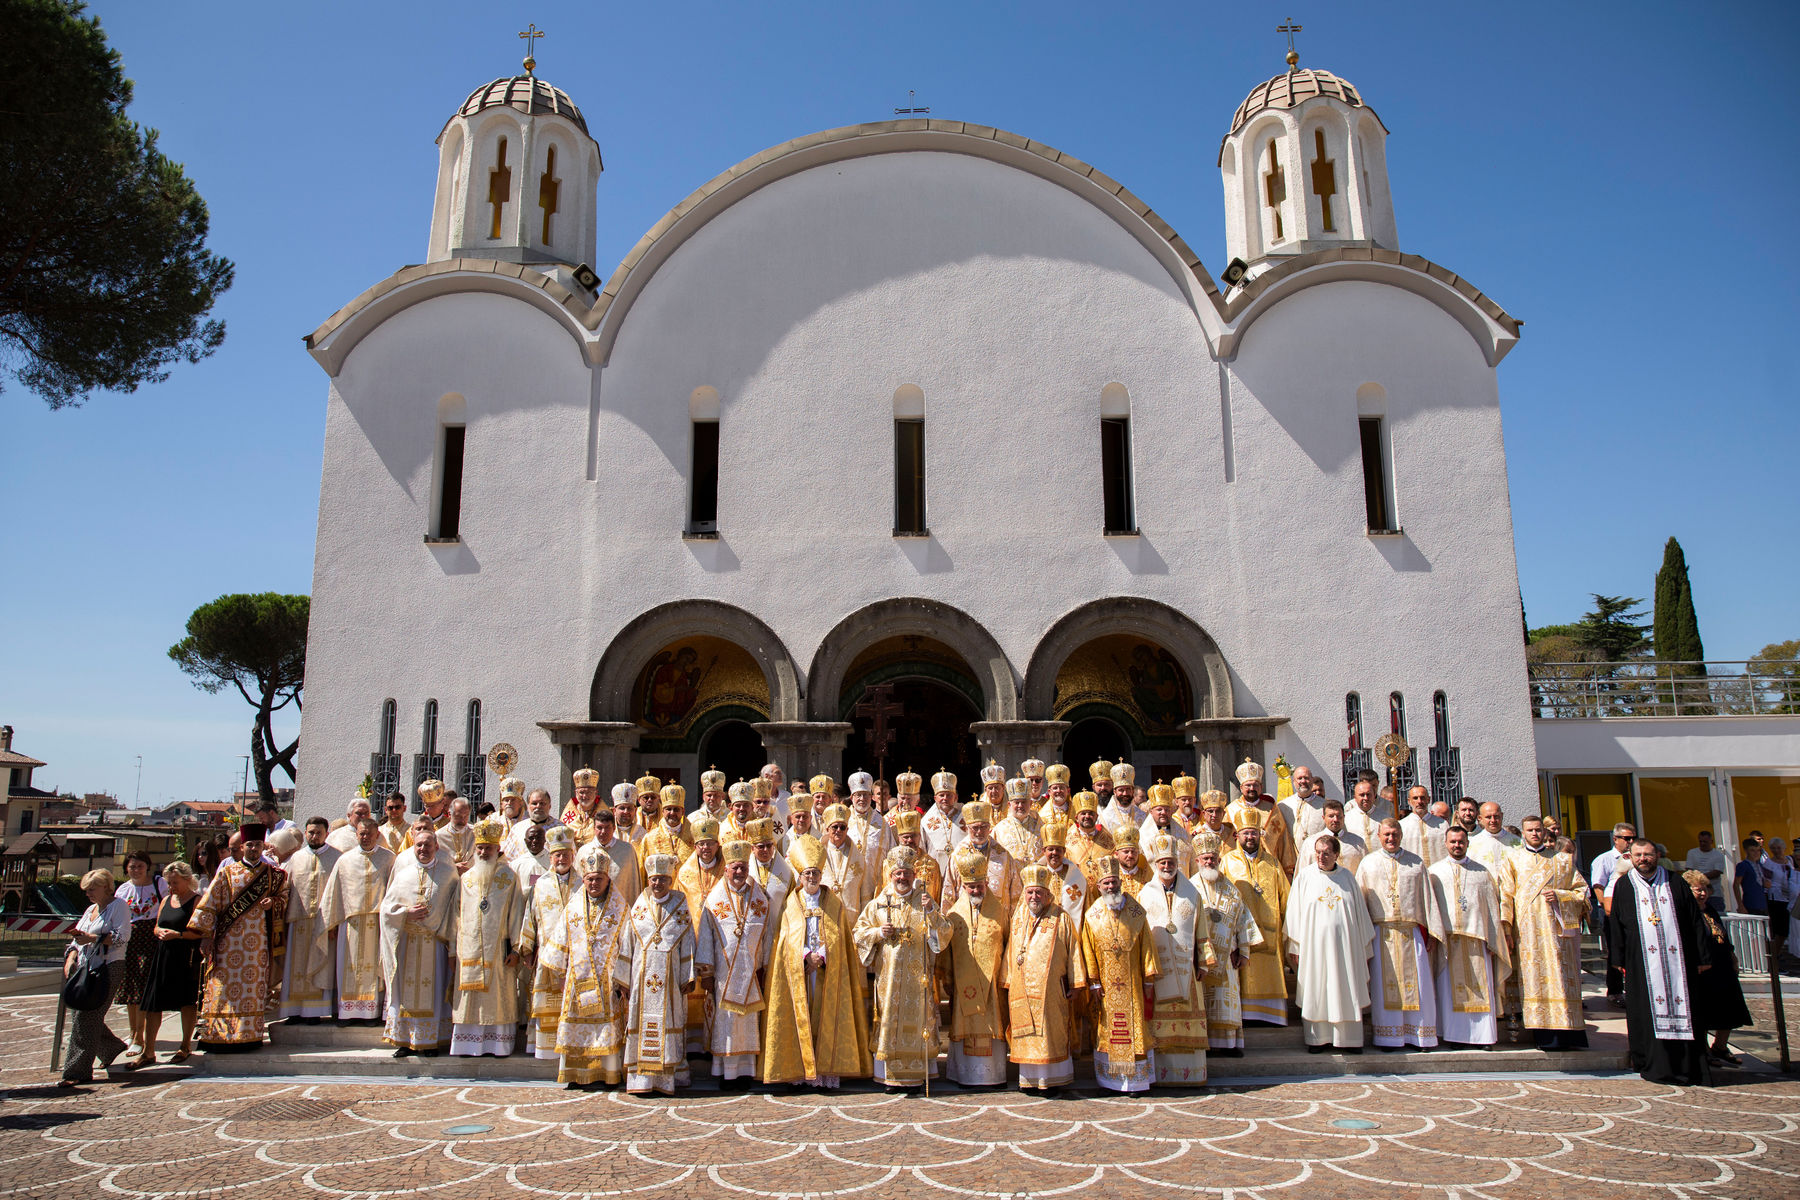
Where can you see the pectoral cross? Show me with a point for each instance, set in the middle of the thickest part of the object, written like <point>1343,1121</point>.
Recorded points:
<point>531,33</point>
<point>1324,179</point>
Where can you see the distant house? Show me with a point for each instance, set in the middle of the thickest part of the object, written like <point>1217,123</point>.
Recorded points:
<point>191,812</point>
<point>22,809</point>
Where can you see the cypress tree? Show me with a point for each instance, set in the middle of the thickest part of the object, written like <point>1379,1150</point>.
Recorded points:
<point>1676,625</point>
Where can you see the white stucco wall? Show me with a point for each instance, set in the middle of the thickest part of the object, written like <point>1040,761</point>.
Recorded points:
<point>1666,743</point>
<point>1011,302</point>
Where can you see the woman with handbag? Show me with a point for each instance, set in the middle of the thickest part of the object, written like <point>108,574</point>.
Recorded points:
<point>172,980</point>
<point>94,955</point>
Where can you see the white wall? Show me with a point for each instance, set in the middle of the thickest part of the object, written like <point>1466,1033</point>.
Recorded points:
<point>1011,302</point>
<point>1666,743</point>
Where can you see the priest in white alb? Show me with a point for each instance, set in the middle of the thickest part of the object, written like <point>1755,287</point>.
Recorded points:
<point>1234,934</point>
<point>655,965</point>
<point>1402,1000</point>
<point>418,921</point>
<point>1472,959</point>
<point>1328,938</point>
<point>485,1010</point>
<point>1421,831</point>
<point>351,909</point>
<point>736,935</point>
<point>309,969</point>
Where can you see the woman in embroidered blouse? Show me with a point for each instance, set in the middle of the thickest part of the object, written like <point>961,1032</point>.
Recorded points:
<point>142,892</point>
<point>106,923</point>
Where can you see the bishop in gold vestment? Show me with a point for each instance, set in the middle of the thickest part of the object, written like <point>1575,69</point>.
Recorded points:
<point>1184,953</point>
<point>1234,934</point>
<point>543,917</point>
<point>1119,954</point>
<point>655,963</point>
<point>581,950</point>
<point>485,1010</point>
<point>898,937</point>
<point>977,937</point>
<point>1543,899</point>
<point>1263,887</point>
<point>1042,971</point>
<point>699,873</point>
<point>243,919</point>
<point>814,1032</point>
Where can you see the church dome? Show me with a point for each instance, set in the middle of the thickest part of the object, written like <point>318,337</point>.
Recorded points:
<point>527,94</point>
<point>1294,88</point>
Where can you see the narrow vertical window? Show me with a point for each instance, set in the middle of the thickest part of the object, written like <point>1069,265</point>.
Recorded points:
<point>1377,497</point>
<point>1115,473</point>
<point>427,763</point>
<point>499,189</point>
<point>550,188</point>
<point>449,514</point>
<point>909,475</point>
<point>471,767</point>
<point>703,503</point>
<point>1324,180</point>
<point>1275,188</point>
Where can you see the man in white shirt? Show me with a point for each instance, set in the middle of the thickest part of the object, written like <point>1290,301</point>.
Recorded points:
<point>1600,875</point>
<point>1711,862</point>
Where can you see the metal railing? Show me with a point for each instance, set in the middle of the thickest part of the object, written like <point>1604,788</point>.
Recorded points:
<point>1649,688</point>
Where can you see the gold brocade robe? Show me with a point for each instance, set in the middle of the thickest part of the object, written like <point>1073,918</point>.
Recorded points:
<point>351,907</point>
<point>814,1025</point>
<point>589,1026</point>
<point>1119,954</point>
<point>1277,838</point>
<point>977,938</point>
<point>695,882</point>
<point>1180,926</point>
<point>905,1006</point>
<point>243,966</point>
<point>580,823</point>
<point>1467,905</point>
<point>663,840</point>
<point>488,916</point>
<point>1546,934</point>
<point>395,837</point>
<point>1233,931</point>
<point>459,844</point>
<point>654,958</point>
<point>1263,887</point>
<point>1393,888</point>
<point>1135,879</point>
<point>1003,880</point>
<point>928,875</point>
<point>1086,850</point>
<point>1042,970</point>
<point>1022,839</point>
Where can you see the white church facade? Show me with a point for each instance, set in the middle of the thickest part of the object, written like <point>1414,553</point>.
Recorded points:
<point>909,444</point>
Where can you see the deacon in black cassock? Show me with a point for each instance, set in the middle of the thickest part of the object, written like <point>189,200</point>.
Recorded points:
<point>1653,936</point>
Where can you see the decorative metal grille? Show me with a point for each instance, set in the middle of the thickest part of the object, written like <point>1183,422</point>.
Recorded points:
<point>1446,760</point>
<point>471,778</point>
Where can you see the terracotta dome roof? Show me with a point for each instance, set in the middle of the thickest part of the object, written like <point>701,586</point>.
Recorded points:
<point>527,94</point>
<point>1293,87</point>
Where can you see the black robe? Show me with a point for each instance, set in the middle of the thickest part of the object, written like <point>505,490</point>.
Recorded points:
<point>1720,1002</point>
<point>1656,1059</point>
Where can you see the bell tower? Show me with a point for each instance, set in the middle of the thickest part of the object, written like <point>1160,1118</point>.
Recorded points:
<point>1305,168</point>
<point>517,175</point>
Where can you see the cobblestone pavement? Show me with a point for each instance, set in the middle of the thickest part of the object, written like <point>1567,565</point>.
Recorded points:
<point>1532,1137</point>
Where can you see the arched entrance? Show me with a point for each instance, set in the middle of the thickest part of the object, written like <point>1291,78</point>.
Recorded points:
<point>691,695</point>
<point>1091,740</point>
<point>1127,699</point>
<point>734,748</point>
<point>910,700</point>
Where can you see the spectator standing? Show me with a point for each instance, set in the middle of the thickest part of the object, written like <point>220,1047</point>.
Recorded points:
<point>1711,862</point>
<point>1746,880</point>
<point>1600,877</point>
<point>141,893</point>
<point>1718,995</point>
<point>172,982</point>
<point>106,923</point>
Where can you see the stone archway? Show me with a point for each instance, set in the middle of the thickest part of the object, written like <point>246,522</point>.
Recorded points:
<point>992,670</point>
<point>610,698</point>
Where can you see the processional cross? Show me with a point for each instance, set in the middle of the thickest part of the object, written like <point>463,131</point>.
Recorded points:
<point>878,704</point>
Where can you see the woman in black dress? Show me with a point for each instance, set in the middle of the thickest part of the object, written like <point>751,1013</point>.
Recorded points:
<point>173,978</point>
<point>1719,1002</point>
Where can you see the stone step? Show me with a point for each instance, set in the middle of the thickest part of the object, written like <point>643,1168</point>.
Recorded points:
<point>31,981</point>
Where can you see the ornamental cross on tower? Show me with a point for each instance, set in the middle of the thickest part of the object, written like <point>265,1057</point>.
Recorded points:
<point>531,33</point>
<point>1289,28</point>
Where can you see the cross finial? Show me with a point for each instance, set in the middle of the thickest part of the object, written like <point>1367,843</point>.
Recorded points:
<point>1289,28</point>
<point>913,107</point>
<point>531,33</point>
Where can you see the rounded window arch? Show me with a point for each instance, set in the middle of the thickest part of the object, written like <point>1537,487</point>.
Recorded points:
<point>1371,400</point>
<point>703,404</point>
<point>909,402</point>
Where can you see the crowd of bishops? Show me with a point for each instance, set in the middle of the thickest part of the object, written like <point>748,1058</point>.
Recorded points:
<point>802,933</point>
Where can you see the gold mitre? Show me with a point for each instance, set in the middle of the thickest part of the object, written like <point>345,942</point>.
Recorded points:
<point>1247,816</point>
<point>907,783</point>
<point>1018,788</point>
<point>1125,835</point>
<point>648,785</point>
<point>512,786</point>
<point>431,790</point>
<point>704,829</point>
<point>712,780</point>
<point>761,831</point>
<point>736,852</point>
<point>587,777</point>
<point>673,796</point>
<point>1185,786</point>
<point>761,789</point>
<point>559,837</point>
<point>1206,842</point>
<point>1055,833</point>
<point>1161,846</point>
<point>1249,770</point>
<point>800,801</point>
<point>1107,866</point>
<point>971,865</point>
<point>1084,802</point>
<point>1161,794</point>
<point>1212,798</point>
<point>1032,768</point>
<point>1037,875</point>
<point>823,785</point>
<point>1056,773</point>
<point>738,793</point>
<point>993,773</point>
<point>660,864</point>
<point>901,858</point>
<point>806,853</point>
<point>943,781</point>
<point>904,821</point>
<point>1100,771</point>
<point>1124,775</point>
<point>977,812</point>
<point>834,813</point>
<point>489,832</point>
<point>594,858</point>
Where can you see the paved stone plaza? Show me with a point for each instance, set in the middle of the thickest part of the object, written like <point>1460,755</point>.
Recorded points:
<point>1532,1137</point>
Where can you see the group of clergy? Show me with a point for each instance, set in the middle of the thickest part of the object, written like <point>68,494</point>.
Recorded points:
<point>791,937</point>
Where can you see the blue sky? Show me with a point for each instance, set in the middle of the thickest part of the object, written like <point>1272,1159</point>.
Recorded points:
<point>1621,176</point>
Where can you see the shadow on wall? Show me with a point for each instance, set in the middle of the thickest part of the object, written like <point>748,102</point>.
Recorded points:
<point>714,554</point>
<point>1401,553</point>
<point>926,554</point>
<point>1138,555</point>
<point>455,558</point>
<point>896,244</point>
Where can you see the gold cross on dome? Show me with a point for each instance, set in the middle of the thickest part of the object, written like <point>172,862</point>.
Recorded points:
<point>531,33</point>
<point>1288,27</point>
